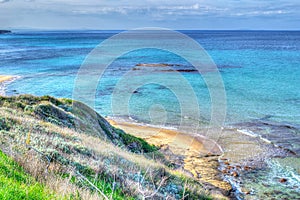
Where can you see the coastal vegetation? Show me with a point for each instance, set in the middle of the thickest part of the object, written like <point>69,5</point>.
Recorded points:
<point>16,184</point>
<point>53,149</point>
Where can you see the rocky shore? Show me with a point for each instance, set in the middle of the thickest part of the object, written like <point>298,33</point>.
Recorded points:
<point>227,173</point>
<point>187,152</point>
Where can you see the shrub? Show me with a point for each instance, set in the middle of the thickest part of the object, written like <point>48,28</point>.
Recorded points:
<point>6,124</point>
<point>135,144</point>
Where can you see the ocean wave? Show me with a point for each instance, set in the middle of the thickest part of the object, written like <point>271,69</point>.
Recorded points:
<point>252,134</point>
<point>4,84</point>
<point>283,169</point>
<point>280,134</point>
<point>131,120</point>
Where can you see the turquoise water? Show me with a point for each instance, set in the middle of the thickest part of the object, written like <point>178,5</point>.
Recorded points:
<point>260,71</point>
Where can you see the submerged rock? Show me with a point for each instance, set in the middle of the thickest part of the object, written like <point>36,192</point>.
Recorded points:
<point>246,191</point>
<point>156,65</point>
<point>234,174</point>
<point>226,163</point>
<point>4,31</point>
<point>283,180</point>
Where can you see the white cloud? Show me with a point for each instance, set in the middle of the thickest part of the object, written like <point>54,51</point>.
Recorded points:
<point>4,1</point>
<point>261,13</point>
<point>151,10</point>
<point>143,13</point>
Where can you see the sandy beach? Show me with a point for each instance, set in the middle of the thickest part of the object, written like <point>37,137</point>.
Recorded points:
<point>213,167</point>
<point>4,79</point>
<point>186,150</point>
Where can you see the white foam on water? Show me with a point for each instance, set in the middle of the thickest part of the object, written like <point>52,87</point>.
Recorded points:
<point>138,123</point>
<point>254,135</point>
<point>4,85</point>
<point>281,171</point>
<point>4,51</point>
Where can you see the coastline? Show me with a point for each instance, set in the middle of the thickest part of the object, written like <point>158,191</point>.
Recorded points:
<point>188,152</point>
<point>4,81</point>
<point>223,172</point>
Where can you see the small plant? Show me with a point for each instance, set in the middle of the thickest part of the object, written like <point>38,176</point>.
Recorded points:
<point>6,124</point>
<point>28,109</point>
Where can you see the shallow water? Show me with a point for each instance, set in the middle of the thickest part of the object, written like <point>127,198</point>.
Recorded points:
<point>260,71</point>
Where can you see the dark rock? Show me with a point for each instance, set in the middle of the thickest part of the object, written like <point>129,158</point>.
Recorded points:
<point>234,174</point>
<point>283,180</point>
<point>245,191</point>
<point>238,167</point>
<point>186,70</point>
<point>4,31</point>
<point>277,192</point>
<point>224,171</point>
<point>180,70</point>
<point>226,163</point>
<point>229,167</point>
<point>156,65</point>
<point>266,185</point>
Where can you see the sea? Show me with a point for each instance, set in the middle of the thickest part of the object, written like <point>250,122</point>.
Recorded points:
<point>260,73</point>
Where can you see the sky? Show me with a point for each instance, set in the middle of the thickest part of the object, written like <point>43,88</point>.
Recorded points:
<point>172,14</point>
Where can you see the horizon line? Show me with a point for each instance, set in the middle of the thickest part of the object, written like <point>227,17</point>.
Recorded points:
<point>87,29</point>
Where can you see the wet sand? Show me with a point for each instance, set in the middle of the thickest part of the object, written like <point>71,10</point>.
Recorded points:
<point>237,155</point>
<point>3,80</point>
<point>178,142</point>
<point>190,151</point>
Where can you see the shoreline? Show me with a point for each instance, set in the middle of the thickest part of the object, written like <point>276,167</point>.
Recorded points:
<point>161,136</point>
<point>187,151</point>
<point>4,81</point>
<point>223,169</point>
<point>221,172</point>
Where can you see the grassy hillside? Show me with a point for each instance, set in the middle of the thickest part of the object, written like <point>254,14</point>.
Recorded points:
<point>76,153</point>
<point>16,184</point>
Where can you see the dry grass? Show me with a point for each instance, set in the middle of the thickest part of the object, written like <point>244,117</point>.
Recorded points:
<point>48,176</point>
<point>114,170</point>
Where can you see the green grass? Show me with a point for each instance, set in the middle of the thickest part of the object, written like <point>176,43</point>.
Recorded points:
<point>103,184</point>
<point>77,137</point>
<point>16,184</point>
<point>140,145</point>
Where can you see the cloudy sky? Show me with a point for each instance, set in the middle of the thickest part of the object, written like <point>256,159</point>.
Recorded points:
<point>173,14</point>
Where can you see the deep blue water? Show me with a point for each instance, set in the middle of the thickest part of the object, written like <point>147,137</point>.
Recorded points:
<point>260,71</point>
